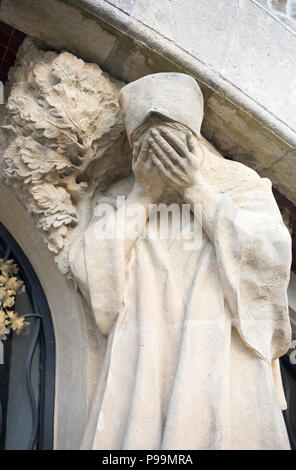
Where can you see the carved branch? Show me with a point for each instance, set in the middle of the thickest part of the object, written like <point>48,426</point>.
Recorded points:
<point>65,138</point>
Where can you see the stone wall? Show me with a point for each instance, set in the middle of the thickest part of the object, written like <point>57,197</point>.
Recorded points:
<point>283,10</point>
<point>242,52</point>
<point>242,55</point>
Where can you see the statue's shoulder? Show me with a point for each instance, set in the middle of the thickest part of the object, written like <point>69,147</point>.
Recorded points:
<point>225,174</point>
<point>110,197</point>
<point>120,188</point>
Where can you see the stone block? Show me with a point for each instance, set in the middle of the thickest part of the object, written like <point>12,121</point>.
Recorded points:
<point>279,5</point>
<point>262,62</point>
<point>293,10</point>
<point>195,27</point>
<point>283,175</point>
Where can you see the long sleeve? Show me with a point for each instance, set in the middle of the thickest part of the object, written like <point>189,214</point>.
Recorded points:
<point>101,264</point>
<point>253,249</point>
<point>98,266</point>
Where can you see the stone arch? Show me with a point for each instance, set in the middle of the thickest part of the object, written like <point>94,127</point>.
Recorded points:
<point>77,355</point>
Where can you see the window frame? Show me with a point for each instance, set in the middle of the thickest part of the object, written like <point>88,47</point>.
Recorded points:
<point>44,436</point>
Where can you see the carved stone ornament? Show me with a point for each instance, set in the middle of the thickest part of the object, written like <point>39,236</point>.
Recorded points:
<point>193,336</point>
<point>66,141</point>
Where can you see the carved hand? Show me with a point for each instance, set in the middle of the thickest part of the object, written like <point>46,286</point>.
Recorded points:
<point>148,179</point>
<point>177,163</point>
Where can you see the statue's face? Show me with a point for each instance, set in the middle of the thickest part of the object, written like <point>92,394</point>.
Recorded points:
<point>165,153</point>
<point>154,123</point>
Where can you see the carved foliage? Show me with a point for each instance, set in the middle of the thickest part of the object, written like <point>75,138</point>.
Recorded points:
<point>63,117</point>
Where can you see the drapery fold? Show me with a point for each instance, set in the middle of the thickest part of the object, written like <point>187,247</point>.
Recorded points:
<point>176,374</point>
<point>253,249</point>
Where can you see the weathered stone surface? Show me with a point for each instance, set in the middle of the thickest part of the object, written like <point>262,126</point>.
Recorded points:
<point>293,10</point>
<point>78,355</point>
<point>63,119</point>
<point>37,157</point>
<point>189,26</point>
<point>283,10</point>
<point>265,3</point>
<point>234,135</point>
<point>45,21</point>
<point>66,145</point>
<point>126,5</point>
<point>162,306</point>
<point>283,174</point>
<point>279,5</point>
<point>266,68</point>
<point>113,34</point>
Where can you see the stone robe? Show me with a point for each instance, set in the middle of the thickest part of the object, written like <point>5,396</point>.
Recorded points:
<point>193,336</point>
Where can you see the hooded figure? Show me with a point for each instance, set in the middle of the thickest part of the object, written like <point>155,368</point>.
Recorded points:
<point>194,336</point>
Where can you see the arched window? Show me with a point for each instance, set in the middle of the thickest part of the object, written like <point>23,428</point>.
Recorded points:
<point>27,375</point>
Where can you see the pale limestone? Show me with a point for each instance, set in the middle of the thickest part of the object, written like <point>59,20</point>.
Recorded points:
<point>259,66</point>
<point>193,337</point>
<point>75,418</point>
<point>78,354</point>
<point>123,40</point>
<point>186,25</point>
<point>57,133</point>
<point>147,283</point>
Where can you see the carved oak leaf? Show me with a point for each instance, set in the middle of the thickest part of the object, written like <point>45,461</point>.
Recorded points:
<point>66,140</point>
<point>55,205</point>
<point>24,164</point>
<point>69,68</point>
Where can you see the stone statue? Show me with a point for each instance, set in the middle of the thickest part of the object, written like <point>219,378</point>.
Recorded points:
<point>194,336</point>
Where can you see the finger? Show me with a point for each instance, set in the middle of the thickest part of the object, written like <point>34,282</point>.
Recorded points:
<point>136,151</point>
<point>196,150</point>
<point>168,150</point>
<point>175,142</point>
<point>148,165</point>
<point>166,161</point>
<point>159,165</point>
<point>143,154</point>
<point>193,144</point>
<point>162,169</point>
<point>190,142</point>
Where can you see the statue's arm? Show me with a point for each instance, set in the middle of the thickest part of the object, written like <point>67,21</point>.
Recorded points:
<point>179,164</point>
<point>252,244</point>
<point>132,215</point>
<point>253,249</point>
<point>100,259</point>
<point>206,197</point>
